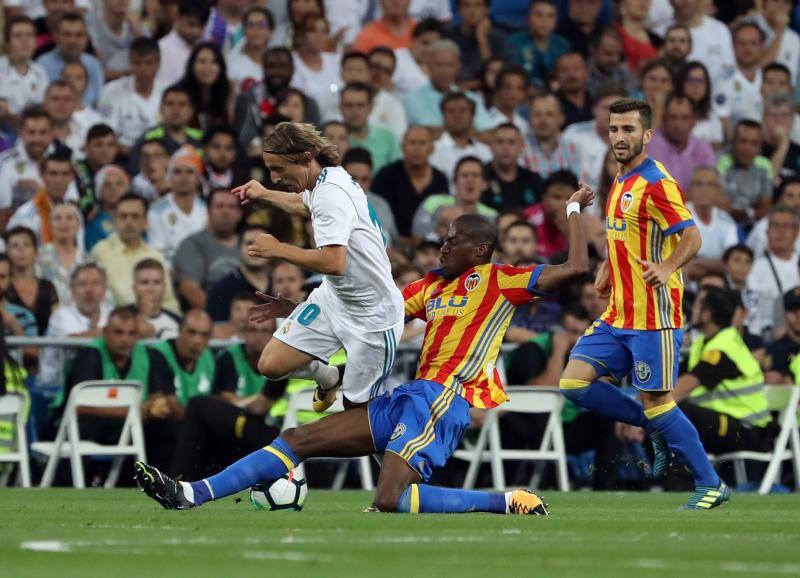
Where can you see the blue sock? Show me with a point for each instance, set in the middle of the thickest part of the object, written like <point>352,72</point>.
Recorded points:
<point>683,439</point>
<point>418,498</point>
<point>604,399</point>
<point>268,463</point>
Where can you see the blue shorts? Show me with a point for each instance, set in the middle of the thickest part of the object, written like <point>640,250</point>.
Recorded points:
<point>651,356</point>
<point>422,422</point>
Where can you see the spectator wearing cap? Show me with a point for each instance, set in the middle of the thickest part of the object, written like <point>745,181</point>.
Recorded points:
<point>57,174</point>
<point>424,105</point>
<point>111,182</point>
<point>131,103</point>
<point>252,274</point>
<point>356,106</point>
<point>182,211</point>
<point>607,67</point>
<point>538,48</point>
<point>205,257</point>
<point>392,30</point>
<point>546,151</point>
<point>176,113</point>
<point>121,251</point>
<point>469,183</point>
<point>775,271</point>
<point>72,41</point>
<point>406,183</point>
<point>788,195</point>
<point>674,145</point>
<point>571,77</point>
<point>477,38</point>
<point>746,174</point>
<point>511,186</point>
<point>456,142</point>
<point>782,351</point>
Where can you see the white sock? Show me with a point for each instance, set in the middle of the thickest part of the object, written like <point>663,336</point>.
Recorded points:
<point>188,491</point>
<point>325,375</point>
<point>508,500</point>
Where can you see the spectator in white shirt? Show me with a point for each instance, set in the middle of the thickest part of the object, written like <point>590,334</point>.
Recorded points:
<point>149,287</point>
<point>317,73</point>
<point>177,45</point>
<point>783,43</point>
<point>789,196</point>
<point>131,103</point>
<point>387,110</point>
<point>510,94</point>
<point>711,39</point>
<point>717,229</point>
<point>23,80</point>
<point>182,211</point>
<point>61,103</point>
<point>111,33</point>
<point>775,271</point>
<point>458,111</point>
<point>244,60</point>
<point>411,71</point>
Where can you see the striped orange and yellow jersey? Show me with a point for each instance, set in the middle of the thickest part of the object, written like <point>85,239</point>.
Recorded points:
<point>466,320</point>
<point>645,209</point>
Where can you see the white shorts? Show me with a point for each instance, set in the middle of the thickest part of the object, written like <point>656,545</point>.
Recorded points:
<point>312,329</point>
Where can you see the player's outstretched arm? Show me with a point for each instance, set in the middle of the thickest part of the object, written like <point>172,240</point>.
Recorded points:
<point>291,203</point>
<point>328,260</point>
<point>554,277</point>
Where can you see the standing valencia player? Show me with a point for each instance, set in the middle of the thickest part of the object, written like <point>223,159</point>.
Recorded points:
<point>650,236</point>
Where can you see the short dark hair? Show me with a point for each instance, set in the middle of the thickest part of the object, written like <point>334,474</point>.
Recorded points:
<point>785,183</point>
<point>745,123</point>
<point>428,25</point>
<point>260,10</point>
<point>510,70</point>
<point>383,50</point>
<point>358,87</point>
<point>99,130</point>
<point>217,191</point>
<point>158,141</point>
<point>469,159</point>
<point>34,111</point>
<point>16,21</point>
<point>677,26</point>
<point>576,310</point>
<point>245,295</point>
<point>739,248</point>
<point>20,230</point>
<point>597,35</point>
<point>624,105</point>
<point>478,229</point>
<point>522,223</point>
<point>357,155</point>
<point>252,227</point>
<point>144,46</point>
<point>87,266</point>
<point>743,24</point>
<point>677,97</point>
<point>777,67</point>
<point>175,88</point>
<point>199,10</point>
<point>507,126</point>
<point>136,198</point>
<point>124,313</point>
<point>59,155</point>
<point>454,96</point>
<point>71,16</point>
<point>148,263</point>
<point>219,129</point>
<point>354,55</point>
<point>721,303</point>
<point>561,177</point>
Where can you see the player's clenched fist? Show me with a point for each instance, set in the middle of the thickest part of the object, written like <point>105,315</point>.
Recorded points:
<point>265,246</point>
<point>584,195</point>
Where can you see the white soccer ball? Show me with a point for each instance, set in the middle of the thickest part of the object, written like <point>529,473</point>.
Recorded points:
<point>286,493</point>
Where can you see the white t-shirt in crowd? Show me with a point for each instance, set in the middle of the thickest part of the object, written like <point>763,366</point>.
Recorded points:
<point>82,121</point>
<point>318,84</point>
<point>446,154</point>
<point>757,239</point>
<point>168,225</point>
<point>767,288</point>
<point>241,68</point>
<point>174,56</point>
<point>365,298</point>
<point>717,235</point>
<point>712,45</point>
<point>128,112</point>
<point>739,97</point>
<point>347,15</point>
<point>789,50</point>
<point>408,76</point>
<point>590,148</point>
<point>20,90</point>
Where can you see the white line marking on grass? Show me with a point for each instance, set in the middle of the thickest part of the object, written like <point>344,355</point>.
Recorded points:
<point>752,568</point>
<point>45,546</point>
<point>291,556</point>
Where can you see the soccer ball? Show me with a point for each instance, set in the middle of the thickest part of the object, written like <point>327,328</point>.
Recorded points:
<point>286,493</point>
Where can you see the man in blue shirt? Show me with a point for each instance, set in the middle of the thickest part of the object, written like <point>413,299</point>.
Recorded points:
<point>71,42</point>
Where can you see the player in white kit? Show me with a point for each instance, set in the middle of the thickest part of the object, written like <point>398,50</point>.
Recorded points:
<point>357,307</point>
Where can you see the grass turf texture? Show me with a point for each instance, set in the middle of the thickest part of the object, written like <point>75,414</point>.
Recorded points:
<point>120,534</point>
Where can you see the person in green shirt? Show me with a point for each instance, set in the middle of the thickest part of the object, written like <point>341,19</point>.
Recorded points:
<point>220,428</point>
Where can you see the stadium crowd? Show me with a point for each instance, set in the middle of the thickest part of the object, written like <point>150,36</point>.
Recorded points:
<point>124,124</point>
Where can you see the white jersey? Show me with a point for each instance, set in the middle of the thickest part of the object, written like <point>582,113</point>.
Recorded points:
<point>365,298</point>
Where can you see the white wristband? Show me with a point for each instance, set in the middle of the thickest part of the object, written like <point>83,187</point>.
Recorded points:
<point>573,207</point>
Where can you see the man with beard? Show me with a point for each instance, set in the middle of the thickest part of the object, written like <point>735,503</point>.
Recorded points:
<point>650,236</point>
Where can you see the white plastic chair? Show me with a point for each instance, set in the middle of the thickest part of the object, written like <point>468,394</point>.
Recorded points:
<point>531,400</point>
<point>784,399</point>
<point>12,405</point>
<point>68,444</point>
<point>301,401</point>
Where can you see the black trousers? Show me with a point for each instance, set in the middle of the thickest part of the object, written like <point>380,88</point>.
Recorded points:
<point>214,434</point>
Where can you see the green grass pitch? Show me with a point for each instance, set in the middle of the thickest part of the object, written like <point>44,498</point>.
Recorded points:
<point>120,534</point>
